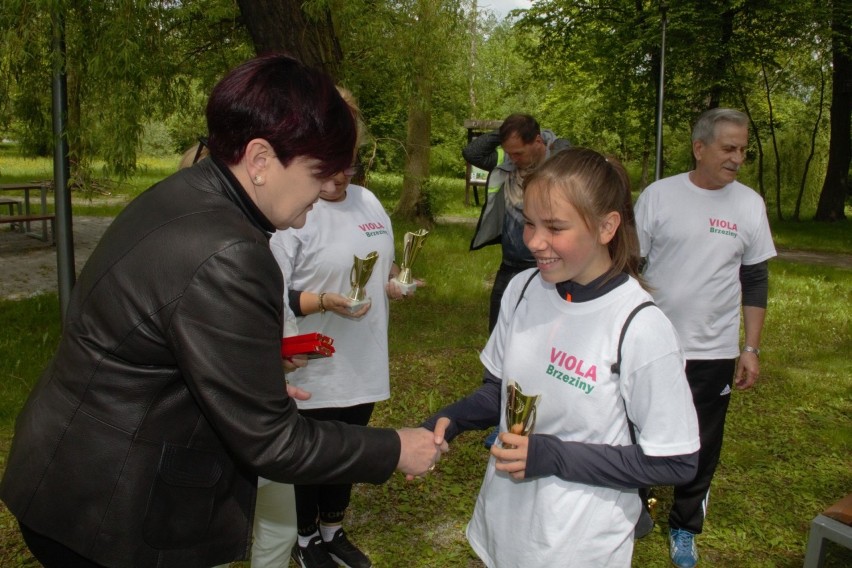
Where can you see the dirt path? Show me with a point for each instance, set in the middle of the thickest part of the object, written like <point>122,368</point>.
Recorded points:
<point>28,266</point>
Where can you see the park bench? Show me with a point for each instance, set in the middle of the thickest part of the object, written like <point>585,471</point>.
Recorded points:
<point>13,204</point>
<point>21,214</point>
<point>23,221</point>
<point>834,524</point>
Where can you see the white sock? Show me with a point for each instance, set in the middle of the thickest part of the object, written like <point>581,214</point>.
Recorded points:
<point>328,531</point>
<point>304,541</point>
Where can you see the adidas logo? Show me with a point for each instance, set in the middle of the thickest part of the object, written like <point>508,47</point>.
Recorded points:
<point>726,390</point>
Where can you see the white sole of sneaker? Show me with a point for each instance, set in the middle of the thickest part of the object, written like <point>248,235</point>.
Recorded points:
<point>341,562</point>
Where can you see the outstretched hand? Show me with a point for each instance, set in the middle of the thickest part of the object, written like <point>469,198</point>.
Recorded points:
<point>441,430</point>
<point>419,451</point>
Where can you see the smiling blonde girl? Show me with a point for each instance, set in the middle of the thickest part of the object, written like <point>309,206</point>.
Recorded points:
<point>567,494</point>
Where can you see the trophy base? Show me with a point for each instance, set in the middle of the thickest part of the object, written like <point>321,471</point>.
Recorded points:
<point>407,289</point>
<point>357,305</point>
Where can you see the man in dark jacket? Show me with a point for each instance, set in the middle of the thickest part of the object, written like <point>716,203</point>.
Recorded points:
<point>142,441</point>
<point>509,154</point>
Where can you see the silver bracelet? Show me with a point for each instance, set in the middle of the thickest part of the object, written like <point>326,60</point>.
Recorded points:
<point>750,349</point>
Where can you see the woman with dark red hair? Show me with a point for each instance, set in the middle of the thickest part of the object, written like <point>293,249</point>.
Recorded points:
<point>142,441</point>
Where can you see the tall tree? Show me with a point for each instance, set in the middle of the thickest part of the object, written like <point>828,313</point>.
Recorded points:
<point>474,40</point>
<point>305,30</point>
<point>128,63</point>
<point>427,32</point>
<point>719,53</point>
<point>835,189</point>
<point>389,53</point>
<point>603,55</point>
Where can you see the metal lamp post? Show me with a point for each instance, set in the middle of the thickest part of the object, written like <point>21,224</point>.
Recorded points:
<point>658,170</point>
<point>61,192</point>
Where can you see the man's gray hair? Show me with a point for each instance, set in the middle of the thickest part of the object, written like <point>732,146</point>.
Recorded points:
<point>705,127</point>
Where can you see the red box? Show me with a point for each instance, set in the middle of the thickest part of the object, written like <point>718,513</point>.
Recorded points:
<point>314,345</point>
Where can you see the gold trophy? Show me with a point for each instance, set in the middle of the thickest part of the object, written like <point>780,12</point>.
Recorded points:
<point>412,243</point>
<point>520,411</point>
<point>362,269</point>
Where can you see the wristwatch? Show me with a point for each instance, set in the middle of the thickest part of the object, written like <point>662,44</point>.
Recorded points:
<point>750,349</point>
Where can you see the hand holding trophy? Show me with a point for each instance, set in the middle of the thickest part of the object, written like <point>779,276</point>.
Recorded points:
<point>362,269</point>
<point>520,411</point>
<point>412,243</point>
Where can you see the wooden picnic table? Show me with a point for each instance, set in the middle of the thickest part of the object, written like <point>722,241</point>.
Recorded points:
<point>23,219</point>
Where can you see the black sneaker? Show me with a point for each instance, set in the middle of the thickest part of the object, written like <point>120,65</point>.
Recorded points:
<point>312,556</point>
<point>345,552</point>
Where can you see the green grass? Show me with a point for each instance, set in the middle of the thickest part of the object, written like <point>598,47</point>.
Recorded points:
<point>104,196</point>
<point>812,236</point>
<point>446,195</point>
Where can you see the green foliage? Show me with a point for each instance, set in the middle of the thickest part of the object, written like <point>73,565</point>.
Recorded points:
<point>188,122</point>
<point>601,60</point>
<point>380,40</point>
<point>156,140</point>
<point>30,335</point>
<point>445,195</point>
<point>128,63</point>
<point>587,70</point>
<point>503,80</point>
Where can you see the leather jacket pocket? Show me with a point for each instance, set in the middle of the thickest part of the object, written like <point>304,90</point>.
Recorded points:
<point>182,498</point>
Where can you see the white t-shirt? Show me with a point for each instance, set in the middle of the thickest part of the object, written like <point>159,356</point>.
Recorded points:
<point>318,258</point>
<point>564,351</point>
<point>695,241</point>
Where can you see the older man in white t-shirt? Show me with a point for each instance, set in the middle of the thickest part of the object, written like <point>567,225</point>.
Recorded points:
<point>706,241</point>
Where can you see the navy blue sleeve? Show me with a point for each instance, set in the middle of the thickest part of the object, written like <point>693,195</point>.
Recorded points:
<point>754,280</point>
<point>294,298</point>
<point>619,467</point>
<point>477,411</point>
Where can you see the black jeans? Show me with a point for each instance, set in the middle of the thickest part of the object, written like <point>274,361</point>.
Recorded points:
<point>328,502</point>
<point>504,274</point>
<point>53,554</point>
<point>710,382</point>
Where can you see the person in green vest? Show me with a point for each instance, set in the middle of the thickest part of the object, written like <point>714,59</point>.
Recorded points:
<point>510,154</point>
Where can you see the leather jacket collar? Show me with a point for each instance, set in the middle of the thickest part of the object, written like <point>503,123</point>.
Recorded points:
<point>237,194</point>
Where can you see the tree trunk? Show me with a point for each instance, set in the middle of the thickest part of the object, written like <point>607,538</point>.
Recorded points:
<point>721,67</point>
<point>474,39</point>
<point>282,25</point>
<point>756,132</point>
<point>413,204</point>
<point>774,139</point>
<point>814,134</point>
<point>835,189</point>
<point>646,158</point>
<point>413,201</point>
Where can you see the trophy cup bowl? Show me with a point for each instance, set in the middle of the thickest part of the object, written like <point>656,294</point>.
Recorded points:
<point>362,269</point>
<point>520,411</point>
<point>411,245</point>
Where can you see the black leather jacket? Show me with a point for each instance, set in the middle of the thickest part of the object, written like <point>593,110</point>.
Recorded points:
<point>141,442</point>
